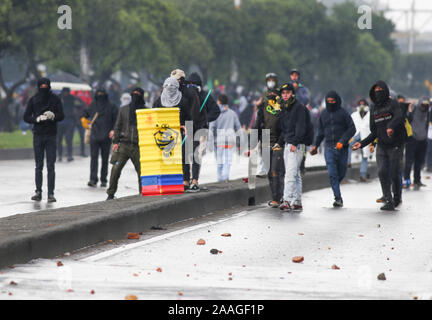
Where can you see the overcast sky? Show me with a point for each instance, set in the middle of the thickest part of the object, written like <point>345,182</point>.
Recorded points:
<point>423,20</point>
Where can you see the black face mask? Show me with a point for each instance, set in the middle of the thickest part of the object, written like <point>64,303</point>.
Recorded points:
<point>381,96</point>
<point>138,100</point>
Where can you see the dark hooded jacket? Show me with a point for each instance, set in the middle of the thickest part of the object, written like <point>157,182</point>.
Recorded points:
<point>107,116</point>
<point>44,100</point>
<point>386,113</point>
<point>419,119</point>
<point>210,109</point>
<point>335,124</point>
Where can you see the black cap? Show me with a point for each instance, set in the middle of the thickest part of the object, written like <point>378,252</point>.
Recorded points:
<point>287,86</point>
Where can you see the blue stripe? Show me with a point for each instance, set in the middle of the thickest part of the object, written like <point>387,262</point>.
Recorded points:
<point>162,180</point>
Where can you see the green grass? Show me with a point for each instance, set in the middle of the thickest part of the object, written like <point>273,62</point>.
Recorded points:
<point>16,140</point>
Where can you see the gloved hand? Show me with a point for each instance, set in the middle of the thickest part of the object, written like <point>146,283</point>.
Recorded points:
<point>50,115</point>
<point>41,118</point>
<point>339,146</point>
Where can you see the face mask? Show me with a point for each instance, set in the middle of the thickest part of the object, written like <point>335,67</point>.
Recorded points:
<point>138,100</point>
<point>381,96</point>
<point>271,84</point>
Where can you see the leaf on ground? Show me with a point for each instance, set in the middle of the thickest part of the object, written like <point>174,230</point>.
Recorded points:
<point>226,234</point>
<point>298,259</point>
<point>59,264</point>
<point>201,242</point>
<point>335,267</point>
<point>133,236</point>
<point>131,297</point>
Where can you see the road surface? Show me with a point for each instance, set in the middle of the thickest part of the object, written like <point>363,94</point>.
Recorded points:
<point>256,261</point>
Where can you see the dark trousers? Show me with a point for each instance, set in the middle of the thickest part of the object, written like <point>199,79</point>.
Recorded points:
<point>415,155</point>
<point>389,162</point>
<point>276,174</point>
<point>65,129</point>
<point>119,160</point>
<point>337,163</point>
<point>45,145</point>
<point>103,148</point>
<point>192,159</point>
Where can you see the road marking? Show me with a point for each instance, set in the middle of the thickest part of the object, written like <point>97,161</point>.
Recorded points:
<point>139,244</point>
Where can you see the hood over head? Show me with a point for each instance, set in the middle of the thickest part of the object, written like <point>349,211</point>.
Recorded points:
<point>379,98</point>
<point>136,103</point>
<point>335,106</point>
<point>44,91</point>
<point>171,94</point>
<point>195,78</point>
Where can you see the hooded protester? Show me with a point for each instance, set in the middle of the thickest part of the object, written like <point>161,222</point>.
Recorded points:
<point>43,111</point>
<point>337,128</point>
<point>387,125</point>
<point>101,117</point>
<point>67,126</point>
<point>361,119</point>
<point>295,132</point>
<point>126,142</point>
<point>417,143</point>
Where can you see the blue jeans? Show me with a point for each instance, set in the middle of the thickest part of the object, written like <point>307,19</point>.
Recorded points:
<point>224,159</point>
<point>337,162</point>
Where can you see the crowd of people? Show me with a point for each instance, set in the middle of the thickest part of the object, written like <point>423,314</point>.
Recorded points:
<point>399,131</point>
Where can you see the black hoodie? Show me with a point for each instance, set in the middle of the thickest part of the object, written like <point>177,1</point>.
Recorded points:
<point>41,102</point>
<point>335,124</point>
<point>386,113</point>
<point>211,108</point>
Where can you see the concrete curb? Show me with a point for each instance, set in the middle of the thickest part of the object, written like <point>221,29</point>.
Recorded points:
<point>47,234</point>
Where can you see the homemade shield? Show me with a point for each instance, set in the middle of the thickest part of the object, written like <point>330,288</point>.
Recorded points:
<point>160,151</point>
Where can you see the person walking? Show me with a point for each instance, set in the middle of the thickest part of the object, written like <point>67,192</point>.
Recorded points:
<point>337,128</point>
<point>125,141</point>
<point>267,119</point>
<point>416,146</point>
<point>224,130</point>
<point>295,131</point>
<point>43,111</point>
<point>101,116</point>
<point>387,124</point>
<point>66,127</point>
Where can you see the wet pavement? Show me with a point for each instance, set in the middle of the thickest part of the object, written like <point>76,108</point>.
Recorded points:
<point>255,262</point>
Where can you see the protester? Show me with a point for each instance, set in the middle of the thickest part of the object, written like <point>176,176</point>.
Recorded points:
<point>295,131</point>
<point>337,128</point>
<point>267,118</point>
<point>102,114</point>
<point>43,111</point>
<point>125,99</point>
<point>302,93</point>
<point>417,144</point>
<point>387,124</point>
<point>429,148</point>
<point>224,130</point>
<point>361,119</point>
<point>126,142</point>
<point>66,127</point>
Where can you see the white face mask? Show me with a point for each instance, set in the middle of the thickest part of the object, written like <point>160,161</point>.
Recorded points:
<point>271,84</point>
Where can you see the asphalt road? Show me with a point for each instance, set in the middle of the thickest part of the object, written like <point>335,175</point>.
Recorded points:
<point>256,261</point>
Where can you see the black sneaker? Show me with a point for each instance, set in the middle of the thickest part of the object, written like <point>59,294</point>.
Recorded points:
<point>37,196</point>
<point>51,198</point>
<point>193,188</point>
<point>389,206</point>
<point>110,197</point>
<point>397,202</point>
<point>83,155</point>
<point>103,184</point>
<point>70,159</point>
<point>92,184</point>
<point>338,203</point>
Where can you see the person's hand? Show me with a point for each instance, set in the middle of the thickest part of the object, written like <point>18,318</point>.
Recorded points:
<point>339,146</point>
<point>50,115</point>
<point>410,107</point>
<point>356,146</point>
<point>351,140</point>
<point>184,129</point>
<point>313,151</point>
<point>41,118</point>
<point>389,132</point>
<point>111,134</point>
<point>115,147</point>
<point>371,148</point>
<point>276,147</point>
<point>293,148</point>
